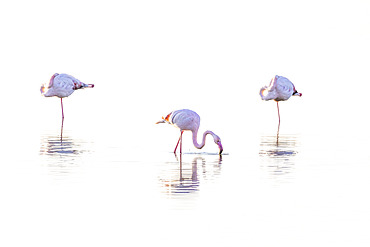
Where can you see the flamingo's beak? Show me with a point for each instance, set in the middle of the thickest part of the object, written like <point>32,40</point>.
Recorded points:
<point>297,94</point>
<point>161,121</point>
<point>220,147</point>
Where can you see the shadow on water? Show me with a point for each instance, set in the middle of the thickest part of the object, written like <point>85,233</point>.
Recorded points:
<point>184,177</point>
<point>277,154</point>
<point>62,155</point>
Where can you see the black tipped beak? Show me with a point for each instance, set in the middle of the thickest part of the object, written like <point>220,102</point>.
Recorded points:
<point>297,94</point>
<point>220,147</point>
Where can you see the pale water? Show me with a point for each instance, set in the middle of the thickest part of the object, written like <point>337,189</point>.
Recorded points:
<point>113,180</point>
<point>291,190</point>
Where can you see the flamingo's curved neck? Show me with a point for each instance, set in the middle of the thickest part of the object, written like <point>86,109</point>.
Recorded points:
<point>195,135</point>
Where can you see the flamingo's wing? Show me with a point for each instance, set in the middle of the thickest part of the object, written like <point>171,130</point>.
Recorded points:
<point>268,92</point>
<point>52,80</point>
<point>273,83</point>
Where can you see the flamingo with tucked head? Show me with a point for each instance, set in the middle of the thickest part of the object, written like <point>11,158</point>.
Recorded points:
<point>280,89</point>
<point>189,120</point>
<point>62,85</point>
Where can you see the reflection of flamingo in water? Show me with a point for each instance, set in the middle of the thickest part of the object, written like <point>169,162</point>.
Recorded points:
<point>278,157</point>
<point>53,146</point>
<point>189,120</point>
<point>188,180</point>
<point>61,158</point>
<point>194,183</point>
<point>280,89</point>
<point>62,85</point>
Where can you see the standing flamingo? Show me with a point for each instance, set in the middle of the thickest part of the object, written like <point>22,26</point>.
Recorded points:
<point>189,120</point>
<point>280,89</point>
<point>62,85</point>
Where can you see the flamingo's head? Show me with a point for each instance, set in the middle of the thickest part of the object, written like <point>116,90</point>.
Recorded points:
<point>217,140</point>
<point>42,89</point>
<point>295,93</point>
<point>165,119</point>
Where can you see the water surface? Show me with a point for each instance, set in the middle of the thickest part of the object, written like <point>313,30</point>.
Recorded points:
<point>81,190</point>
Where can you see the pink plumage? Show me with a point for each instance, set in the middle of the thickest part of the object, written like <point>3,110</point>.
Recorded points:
<point>280,89</point>
<point>189,120</point>
<point>62,85</point>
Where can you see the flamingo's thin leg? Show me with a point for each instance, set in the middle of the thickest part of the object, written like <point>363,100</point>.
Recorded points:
<point>178,143</point>
<point>61,131</point>
<point>61,103</point>
<point>181,142</point>
<point>277,103</point>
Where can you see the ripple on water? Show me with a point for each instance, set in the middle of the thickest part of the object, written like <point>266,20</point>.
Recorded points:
<point>62,155</point>
<point>186,173</point>
<point>277,154</point>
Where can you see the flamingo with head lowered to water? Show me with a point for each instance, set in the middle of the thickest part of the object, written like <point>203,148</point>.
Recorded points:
<point>189,120</point>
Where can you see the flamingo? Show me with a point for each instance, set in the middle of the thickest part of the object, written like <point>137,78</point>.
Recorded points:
<point>189,120</point>
<point>280,89</point>
<point>62,85</point>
